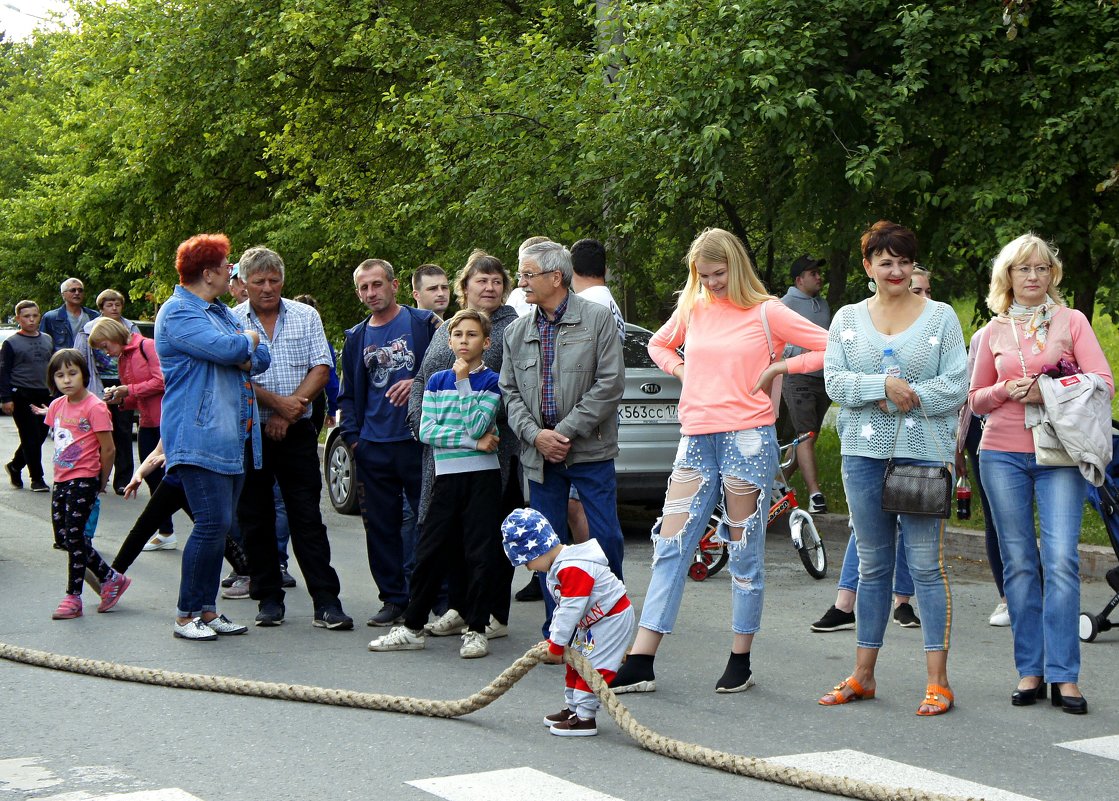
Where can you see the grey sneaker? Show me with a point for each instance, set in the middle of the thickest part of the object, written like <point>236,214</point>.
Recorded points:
<point>228,580</point>
<point>238,591</point>
<point>448,623</point>
<point>400,638</point>
<point>474,645</point>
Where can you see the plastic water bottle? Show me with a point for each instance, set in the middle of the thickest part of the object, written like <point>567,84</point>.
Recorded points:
<point>963,499</point>
<point>890,364</point>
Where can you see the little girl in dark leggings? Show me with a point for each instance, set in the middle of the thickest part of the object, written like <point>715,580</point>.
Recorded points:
<point>83,459</point>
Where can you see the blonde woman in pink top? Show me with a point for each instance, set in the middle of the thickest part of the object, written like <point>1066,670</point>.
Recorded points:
<point>1033,331</point>
<point>728,449</point>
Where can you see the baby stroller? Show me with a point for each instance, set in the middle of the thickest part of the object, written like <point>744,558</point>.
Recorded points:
<point>1105,499</point>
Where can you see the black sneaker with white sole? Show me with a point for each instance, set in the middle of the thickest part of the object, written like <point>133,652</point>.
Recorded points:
<point>333,618</point>
<point>905,617</point>
<point>834,620</point>
<point>271,613</point>
<point>635,675</point>
<point>737,677</point>
<point>389,615</point>
<point>818,504</point>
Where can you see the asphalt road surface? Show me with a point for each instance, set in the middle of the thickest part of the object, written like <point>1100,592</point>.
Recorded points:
<point>73,738</point>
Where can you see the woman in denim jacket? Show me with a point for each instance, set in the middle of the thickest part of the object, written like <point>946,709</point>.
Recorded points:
<point>209,413</point>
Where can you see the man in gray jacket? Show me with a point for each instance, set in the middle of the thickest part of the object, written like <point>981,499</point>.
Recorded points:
<point>561,379</point>
<point>805,397</point>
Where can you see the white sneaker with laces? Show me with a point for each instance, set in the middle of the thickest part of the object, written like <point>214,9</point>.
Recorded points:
<point>450,622</point>
<point>494,630</point>
<point>474,645</point>
<point>162,543</point>
<point>400,638</point>
<point>1000,617</point>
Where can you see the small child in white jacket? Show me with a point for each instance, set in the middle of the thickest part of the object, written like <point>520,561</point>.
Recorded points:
<point>593,613</point>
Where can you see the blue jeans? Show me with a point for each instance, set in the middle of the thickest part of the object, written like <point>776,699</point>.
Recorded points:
<point>212,497</point>
<point>746,456</point>
<point>879,534</point>
<point>1043,615</point>
<point>849,572</point>
<point>597,487</point>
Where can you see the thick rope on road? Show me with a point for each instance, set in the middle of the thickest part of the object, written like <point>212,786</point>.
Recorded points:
<point>645,737</point>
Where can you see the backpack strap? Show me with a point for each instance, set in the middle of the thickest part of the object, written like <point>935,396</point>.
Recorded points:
<point>768,333</point>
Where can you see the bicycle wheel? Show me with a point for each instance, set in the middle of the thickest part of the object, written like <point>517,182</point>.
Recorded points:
<point>808,543</point>
<point>713,554</point>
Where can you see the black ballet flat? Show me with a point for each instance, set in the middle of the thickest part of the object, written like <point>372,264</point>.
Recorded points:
<point>1067,703</point>
<point>1028,697</point>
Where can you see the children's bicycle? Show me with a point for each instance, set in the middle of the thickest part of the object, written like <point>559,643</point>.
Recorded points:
<point>784,514</point>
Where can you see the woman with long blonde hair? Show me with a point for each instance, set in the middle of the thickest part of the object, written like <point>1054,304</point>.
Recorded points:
<point>728,448</point>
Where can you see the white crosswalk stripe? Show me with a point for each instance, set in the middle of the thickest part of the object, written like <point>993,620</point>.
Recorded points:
<point>28,778</point>
<point>870,768</point>
<point>1106,747</point>
<point>512,784</point>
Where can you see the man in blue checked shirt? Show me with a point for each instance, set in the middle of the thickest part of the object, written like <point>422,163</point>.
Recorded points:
<point>300,368</point>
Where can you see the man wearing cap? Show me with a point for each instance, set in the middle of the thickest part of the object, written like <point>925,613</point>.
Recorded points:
<point>804,394</point>
<point>237,286</point>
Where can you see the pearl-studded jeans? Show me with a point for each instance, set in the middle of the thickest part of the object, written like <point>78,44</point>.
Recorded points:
<point>742,464</point>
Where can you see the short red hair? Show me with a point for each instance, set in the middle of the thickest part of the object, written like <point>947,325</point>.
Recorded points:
<point>199,253</point>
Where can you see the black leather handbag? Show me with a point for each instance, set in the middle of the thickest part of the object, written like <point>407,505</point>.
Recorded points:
<point>915,489</point>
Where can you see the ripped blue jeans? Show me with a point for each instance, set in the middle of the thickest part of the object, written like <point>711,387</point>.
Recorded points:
<point>739,463</point>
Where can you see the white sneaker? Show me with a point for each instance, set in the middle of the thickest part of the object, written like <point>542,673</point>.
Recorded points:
<point>1000,617</point>
<point>494,630</point>
<point>161,543</point>
<point>400,638</point>
<point>450,622</point>
<point>474,645</point>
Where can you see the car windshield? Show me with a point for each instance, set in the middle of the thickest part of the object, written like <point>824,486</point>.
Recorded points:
<point>635,351</point>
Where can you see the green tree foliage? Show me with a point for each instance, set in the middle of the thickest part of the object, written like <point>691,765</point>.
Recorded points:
<point>415,131</point>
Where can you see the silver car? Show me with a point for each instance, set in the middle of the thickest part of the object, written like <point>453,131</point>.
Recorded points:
<point>648,434</point>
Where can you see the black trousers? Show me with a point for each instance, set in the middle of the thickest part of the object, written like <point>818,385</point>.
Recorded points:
<point>123,464</point>
<point>293,463</point>
<point>462,527</point>
<point>146,440</point>
<point>71,504</point>
<point>32,430</point>
<point>167,499</point>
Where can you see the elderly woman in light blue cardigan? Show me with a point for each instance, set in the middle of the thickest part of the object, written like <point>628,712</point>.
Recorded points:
<point>911,417</point>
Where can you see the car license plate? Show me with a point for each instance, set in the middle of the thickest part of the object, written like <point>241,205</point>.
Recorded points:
<point>647,413</point>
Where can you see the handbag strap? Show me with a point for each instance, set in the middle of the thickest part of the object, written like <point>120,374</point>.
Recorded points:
<point>768,335</point>
<point>932,436</point>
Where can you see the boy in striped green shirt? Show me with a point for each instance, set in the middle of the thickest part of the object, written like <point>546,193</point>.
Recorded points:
<point>463,525</point>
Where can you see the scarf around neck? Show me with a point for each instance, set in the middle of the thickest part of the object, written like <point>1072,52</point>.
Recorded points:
<point>1035,320</point>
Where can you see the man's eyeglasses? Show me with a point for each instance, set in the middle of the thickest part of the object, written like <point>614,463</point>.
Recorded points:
<point>530,276</point>
<point>75,289</point>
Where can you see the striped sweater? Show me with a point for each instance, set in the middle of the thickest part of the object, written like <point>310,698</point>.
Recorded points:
<point>455,415</point>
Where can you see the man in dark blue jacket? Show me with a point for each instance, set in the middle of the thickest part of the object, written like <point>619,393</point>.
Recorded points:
<point>380,357</point>
<point>64,323</point>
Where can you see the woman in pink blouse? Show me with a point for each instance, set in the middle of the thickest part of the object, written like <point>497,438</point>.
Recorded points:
<point>728,449</point>
<point>1033,330</point>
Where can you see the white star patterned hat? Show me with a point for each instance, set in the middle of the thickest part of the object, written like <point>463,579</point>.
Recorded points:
<point>526,534</point>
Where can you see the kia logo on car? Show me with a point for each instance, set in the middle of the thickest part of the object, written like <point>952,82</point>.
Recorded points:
<point>650,389</point>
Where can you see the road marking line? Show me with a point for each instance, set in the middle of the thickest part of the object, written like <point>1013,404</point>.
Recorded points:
<point>869,768</point>
<point>512,784</point>
<point>1107,747</point>
<point>164,794</point>
<point>25,774</point>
